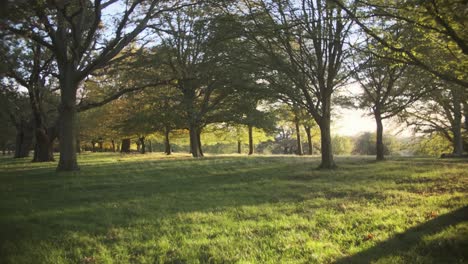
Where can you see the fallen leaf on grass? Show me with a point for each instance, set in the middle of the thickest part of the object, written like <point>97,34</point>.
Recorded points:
<point>432,214</point>
<point>369,236</point>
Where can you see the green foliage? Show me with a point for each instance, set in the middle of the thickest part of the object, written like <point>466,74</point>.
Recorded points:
<point>227,209</point>
<point>430,34</point>
<point>365,144</point>
<point>433,145</point>
<point>225,134</point>
<point>342,145</point>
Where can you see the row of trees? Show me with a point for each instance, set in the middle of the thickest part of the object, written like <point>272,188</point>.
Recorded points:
<point>185,65</point>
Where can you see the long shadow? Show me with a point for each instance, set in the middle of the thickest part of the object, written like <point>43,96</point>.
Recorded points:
<point>80,198</point>
<point>401,243</point>
<point>43,204</point>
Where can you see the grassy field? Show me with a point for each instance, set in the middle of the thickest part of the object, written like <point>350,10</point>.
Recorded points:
<point>234,209</point>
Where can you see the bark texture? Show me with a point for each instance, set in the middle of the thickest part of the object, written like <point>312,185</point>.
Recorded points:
<point>67,129</point>
<point>379,145</point>
<point>327,153</point>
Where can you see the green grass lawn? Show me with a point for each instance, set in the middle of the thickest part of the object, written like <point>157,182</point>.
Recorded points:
<point>234,209</point>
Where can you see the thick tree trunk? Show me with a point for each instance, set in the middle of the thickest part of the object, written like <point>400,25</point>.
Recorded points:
<point>251,146</point>
<point>43,150</point>
<point>379,145</point>
<point>143,146</point>
<point>167,143</point>
<point>298,138</point>
<point>309,139</point>
<point>113,145</point>
<point>194,147</point>
<point>125,148</point>
<point>44,137</point>
<point>326,150</point>
<point>67,135</point>
<point>239,147</point>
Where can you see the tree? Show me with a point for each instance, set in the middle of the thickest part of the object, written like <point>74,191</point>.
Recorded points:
<point>305,41</point>
<point>196,50</point>
<point>433,40</point>
<point>388,89</point>
<point>30,66</point>
<point>309,124</point>
<point>73,31</point>
<point>441,112</point>
<point>14,106</point>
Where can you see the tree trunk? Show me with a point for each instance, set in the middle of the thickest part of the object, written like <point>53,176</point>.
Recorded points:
<point>326,150</point>
<point>43,150</point>
<point>125,146</point>
<point>44,137</point>
<point>150,147</point>
<point>199,142</point>
<point>101,146</point>
<point>167,143</point>
<point>143,147</point>
<point>194,148</point>
<point>113,145</point>
<point>239,147</point>
<point>309,139</point>
<point>457,127</point>
<point>251,146</point>
<point>298,138</point>
<point>138,145</point>
<point>23,143</point>
<point>67,135</point>
<point>379,145</point>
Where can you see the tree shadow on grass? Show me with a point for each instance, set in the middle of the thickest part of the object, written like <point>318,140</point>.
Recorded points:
<point>412,238</point>
<point>39,204</point>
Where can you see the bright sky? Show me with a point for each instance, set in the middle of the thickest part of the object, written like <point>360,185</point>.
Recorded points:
<point>351,122</point>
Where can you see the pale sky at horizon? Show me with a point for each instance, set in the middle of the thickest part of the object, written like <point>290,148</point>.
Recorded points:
<point>352,122</point>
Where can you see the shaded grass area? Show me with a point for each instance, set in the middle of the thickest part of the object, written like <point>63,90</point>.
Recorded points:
<point>234,209</point>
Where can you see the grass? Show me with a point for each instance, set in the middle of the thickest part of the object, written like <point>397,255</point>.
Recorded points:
<point>234,209</point>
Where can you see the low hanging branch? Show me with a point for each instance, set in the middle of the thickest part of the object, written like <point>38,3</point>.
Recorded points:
<point>83,106</point>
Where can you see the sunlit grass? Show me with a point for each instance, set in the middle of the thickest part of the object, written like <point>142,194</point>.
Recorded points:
<point>233,209</point>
